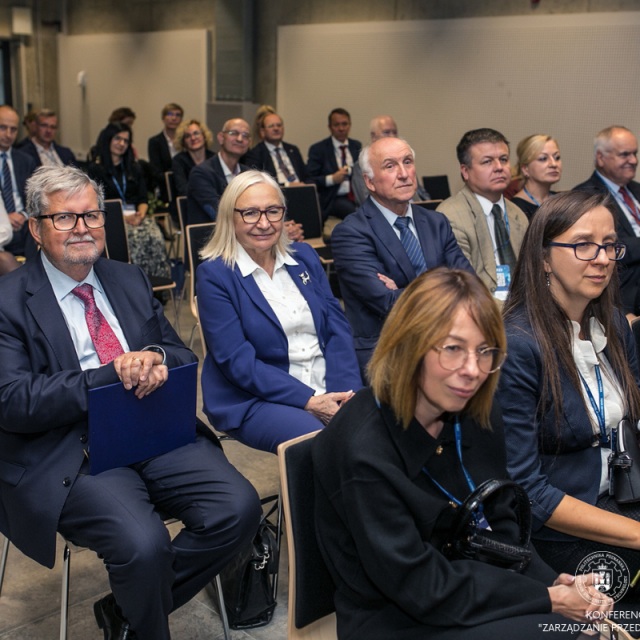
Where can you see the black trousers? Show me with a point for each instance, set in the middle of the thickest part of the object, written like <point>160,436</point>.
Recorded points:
<point>151,575</point>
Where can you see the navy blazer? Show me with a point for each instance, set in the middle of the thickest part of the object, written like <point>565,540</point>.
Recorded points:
<point>322,162</point>
<point>160,161</point>
<point>64,153</point>
<point>365,245</point>
<point>247,350</point>
<point>629,266</point>
<point>532,439</point>
<point>43,393</point>
<point>259,158</point>
<point>181,165</point>
<point>207,183</point>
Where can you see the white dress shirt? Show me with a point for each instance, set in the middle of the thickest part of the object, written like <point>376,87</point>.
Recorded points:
<point>172,147</point>
<point>73,311</point>
<point>343,190</point>
<point>487,205</point>
<point>17,199</point>
<point>587,354</point>
<point>48,158</point>
<point>391,218</point>
<point>6,231</point>
<point>306,361</point>
<point>280,177</point>
<point>614,189</point>
<point>228,174</point>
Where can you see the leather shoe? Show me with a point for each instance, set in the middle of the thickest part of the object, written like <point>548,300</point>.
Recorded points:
<point>110,619</point>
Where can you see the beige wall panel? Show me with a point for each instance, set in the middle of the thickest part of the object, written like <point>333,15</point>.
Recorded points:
<point>143,71</point>
<point>564,75</point>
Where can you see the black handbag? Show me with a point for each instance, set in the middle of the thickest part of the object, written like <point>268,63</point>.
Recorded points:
<point>247,581</point>
<point>468,541</point>
<point>624,464</point>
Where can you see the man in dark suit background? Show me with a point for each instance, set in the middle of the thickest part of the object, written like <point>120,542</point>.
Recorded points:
<point>72,321</point>
<point>330,163</point>
<point>387,243</point>
<point>615,151</point>
<point>160,147</point>
<point>278,158</point>
<point>42,147</point>
<point>15,169</point>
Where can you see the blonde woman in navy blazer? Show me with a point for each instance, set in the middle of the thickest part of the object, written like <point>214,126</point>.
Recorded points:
<point>246,385</point>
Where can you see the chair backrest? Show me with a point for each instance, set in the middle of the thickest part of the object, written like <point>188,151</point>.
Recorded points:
<point>197,236</point>
<point>311,589</point>
<point>303,206</point>
<point>437,186</point>
<point>116,232</point>
<point>171,185</point>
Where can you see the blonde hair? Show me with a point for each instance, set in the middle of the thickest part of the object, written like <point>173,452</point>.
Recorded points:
<point>258,121</point>
<point>528,150</point>
<point>223,243</point>
<point>178,141</point>
<point>421,320</point>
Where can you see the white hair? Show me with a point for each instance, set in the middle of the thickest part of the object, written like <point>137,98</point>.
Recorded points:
<point>365,161</point>
<point>602,142</point>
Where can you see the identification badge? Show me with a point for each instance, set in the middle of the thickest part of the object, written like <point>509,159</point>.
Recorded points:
<point>128,209</point>
<point>482,522</point>
<point>504,281</point>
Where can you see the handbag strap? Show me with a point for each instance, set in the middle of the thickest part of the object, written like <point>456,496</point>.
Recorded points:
<point>467,510</point>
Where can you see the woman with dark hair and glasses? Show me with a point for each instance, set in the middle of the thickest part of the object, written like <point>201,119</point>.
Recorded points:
<point>393,467</point>
<point>121,176</point>
<point>571,375</point>
<point>280,359</point>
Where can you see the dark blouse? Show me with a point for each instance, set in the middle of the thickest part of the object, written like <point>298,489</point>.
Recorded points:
<point>529,208</point>
<point>181,166</point>
<point>380,522</point>
<point>136,191</point>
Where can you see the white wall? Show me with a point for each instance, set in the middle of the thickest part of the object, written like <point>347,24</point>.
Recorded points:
<point>143,71</point>
<point>564,75</point>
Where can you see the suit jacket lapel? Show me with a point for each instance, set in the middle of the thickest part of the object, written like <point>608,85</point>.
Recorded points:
<point>253,291</point>
<point>331,154</point>
<point>484,236</point>
<point>622,216</point>
<point>46,311</point>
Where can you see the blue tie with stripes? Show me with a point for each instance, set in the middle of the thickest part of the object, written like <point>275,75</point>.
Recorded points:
<point>7,189</point>
<point>411,245</point>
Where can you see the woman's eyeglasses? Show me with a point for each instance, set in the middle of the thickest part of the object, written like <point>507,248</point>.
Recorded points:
<point>252,216</point>
<point>453,357</point>
<point>591,250</point>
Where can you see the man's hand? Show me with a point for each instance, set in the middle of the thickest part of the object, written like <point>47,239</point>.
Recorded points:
<point>340,175</point>
<point>16,220</point>
<point>135,219</point>
<point>388,282</point>
<point>141,369</point>
<point>294,230</point>
<point>567,600</point>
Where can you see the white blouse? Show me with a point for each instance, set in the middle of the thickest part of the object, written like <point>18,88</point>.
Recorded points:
<point>587,354</point>
<point>306,360</point>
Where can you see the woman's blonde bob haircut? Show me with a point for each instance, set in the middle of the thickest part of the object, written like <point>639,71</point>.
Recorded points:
<point>223,243</point>
<point>421,320</point>
<point>528,150</point>
<point>182,129</point>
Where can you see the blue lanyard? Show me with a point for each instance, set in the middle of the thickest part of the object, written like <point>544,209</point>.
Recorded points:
<point>534,200</point>
<point>598,411</point>
<point>121,190</point>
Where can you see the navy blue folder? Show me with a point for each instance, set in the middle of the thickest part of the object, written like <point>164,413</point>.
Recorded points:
<point>124,429</point>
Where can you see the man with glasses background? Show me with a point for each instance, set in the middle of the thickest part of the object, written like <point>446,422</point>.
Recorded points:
<point>160,147</point>
<point>72,321</point>
<point>42,147</point>
<point>615,155</point>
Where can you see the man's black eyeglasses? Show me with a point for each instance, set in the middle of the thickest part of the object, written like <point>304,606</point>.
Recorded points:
<point>68,221</point>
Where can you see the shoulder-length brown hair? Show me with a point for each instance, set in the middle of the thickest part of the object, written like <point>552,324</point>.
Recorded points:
<point>551,327</point>
<point>421,320</point>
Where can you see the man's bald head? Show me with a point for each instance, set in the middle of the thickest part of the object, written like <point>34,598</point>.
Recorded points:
<point>235,137</point>
<point>383,127</point>
<point>9,121</point>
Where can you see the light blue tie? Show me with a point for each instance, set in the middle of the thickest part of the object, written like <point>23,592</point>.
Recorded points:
<point>411,245</point>
<point>7,188</point>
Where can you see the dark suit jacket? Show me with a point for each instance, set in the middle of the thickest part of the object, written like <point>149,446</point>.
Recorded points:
<point>380,524</point>
<point>630,265</point>
<point>532,438</point>
<point>160,161</point>
<point>322,162</point>
<point>365,245</point>
<point>259,158</point>
<point>43,393</point>
<point>65,154</point>
<point>207,182</point>
<point>181,166</point>
<point>247,359</point>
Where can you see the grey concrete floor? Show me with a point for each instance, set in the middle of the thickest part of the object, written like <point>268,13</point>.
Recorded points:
<point>30,598</point>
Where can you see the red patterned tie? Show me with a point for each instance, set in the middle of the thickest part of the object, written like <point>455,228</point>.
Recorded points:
<point>629,202</point>
<point>107,345</point>
<point>343,150</point>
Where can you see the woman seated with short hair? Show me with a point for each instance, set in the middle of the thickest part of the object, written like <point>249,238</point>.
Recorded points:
<point>280,359</point>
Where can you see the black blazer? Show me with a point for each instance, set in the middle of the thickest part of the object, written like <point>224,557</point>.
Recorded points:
<point>65,154</point>
<point>160,161</point>
<point>380,522</point>
<point>259,158</point>
<point>43,392</point>
<point>207,182</point>
<point>322,162</point>
<point>136,192</point>
<point>629,266</point>
<point>181,166</point>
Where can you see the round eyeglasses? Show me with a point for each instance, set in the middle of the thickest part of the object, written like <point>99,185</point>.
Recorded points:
<point>453,357</point>
<point>252,216</point>
<point>67,221</point>
<point>591,250</point>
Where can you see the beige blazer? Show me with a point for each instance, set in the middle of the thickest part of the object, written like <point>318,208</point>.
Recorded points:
<point>470,227</point>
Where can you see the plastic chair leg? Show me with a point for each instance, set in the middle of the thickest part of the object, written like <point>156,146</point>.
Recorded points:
<point>64,598</point>
<point>222,609</point>
<point>3,561</point>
